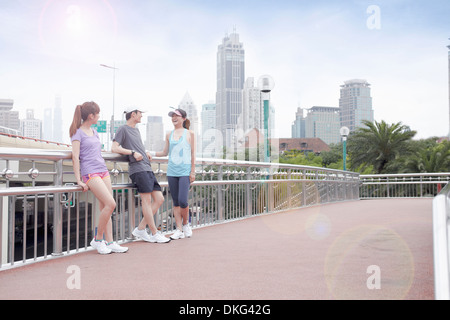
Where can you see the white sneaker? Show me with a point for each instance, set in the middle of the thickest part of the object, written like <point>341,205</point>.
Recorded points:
<point>187,230</point>
<point>100,246</point>
<point>142,235</point>
<point>178,234</point>
<point>115,247</point>
<point>159,238</point>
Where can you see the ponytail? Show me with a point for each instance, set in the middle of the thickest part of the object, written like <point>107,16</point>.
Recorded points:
<point>76,123</point>
<point>82,112</point>
<point>186,124</point>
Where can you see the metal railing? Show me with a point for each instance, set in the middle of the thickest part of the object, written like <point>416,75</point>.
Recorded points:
<point>441,211</point>
<point>43,214</point>
<point>421,185</point>
<point>411,185</point>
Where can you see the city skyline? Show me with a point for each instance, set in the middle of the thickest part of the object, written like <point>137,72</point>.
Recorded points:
<point>163,49</point>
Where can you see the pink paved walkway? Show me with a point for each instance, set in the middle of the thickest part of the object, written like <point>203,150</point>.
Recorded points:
<point>326,252</point>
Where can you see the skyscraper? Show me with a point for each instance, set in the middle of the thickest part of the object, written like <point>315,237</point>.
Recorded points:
<point>188,105</point>
<point>355,103</point>
<point>230,82</point>
<point>31,127</point>
<point>252,116</point>
<point>154,133</point>
<point>298,126</point>
<point>208,116</point>
<point>323,123</point>
<point>8,118</point>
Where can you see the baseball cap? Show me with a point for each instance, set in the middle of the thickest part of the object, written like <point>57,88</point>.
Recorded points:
<point>179,112</point>
<point>133,108</point>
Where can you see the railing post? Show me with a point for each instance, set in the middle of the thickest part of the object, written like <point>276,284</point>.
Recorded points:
<point>421,187</point>
<point>270,191</point>
<point>57,212</point>
<point>387,187</point>
<point>248,194</point>
<point>303,188</point>
<point>220,195</point>
<point>131,212</point>
<point>289,191</point>
<point>3,229</point>
<point>12,228</point>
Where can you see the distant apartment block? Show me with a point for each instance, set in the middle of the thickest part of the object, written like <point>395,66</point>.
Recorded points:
<point>9,118</point>
<point>154,133</point>
<point>208,132</point>
<point>323,123</point>
<point>31,127</point>
<point>319,122</point>
<point>355,103</point>
<point>252,116</point>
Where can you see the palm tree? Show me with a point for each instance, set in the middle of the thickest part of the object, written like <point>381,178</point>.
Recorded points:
<point>432,159</point>
<point>378,144</point>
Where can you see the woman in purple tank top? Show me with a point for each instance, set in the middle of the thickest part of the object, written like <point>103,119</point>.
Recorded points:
<point>92,174</point>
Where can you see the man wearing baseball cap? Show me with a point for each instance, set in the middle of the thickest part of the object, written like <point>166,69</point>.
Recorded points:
<point>133,108</point>
<point>128,141</point>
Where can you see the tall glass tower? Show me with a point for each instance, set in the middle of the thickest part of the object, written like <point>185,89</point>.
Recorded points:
<point>298,126</point>
<point>230,82</point>
<point>355,103</point>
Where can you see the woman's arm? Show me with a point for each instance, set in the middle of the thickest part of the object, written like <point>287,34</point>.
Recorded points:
<point>76,164</point>
<point>165,152</point>
<point>192,175</point>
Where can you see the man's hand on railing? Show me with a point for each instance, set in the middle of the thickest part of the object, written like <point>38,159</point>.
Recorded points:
<point>138,156</point>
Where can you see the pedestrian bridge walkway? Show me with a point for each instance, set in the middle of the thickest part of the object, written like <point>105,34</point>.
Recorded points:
<point>367,249</point>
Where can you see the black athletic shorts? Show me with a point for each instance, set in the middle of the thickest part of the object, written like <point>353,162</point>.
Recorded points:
<point>145,182</point>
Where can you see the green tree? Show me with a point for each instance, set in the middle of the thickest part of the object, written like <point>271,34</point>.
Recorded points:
<point>378,144</point>
<point>330,158</point>
<point>433,158</point>
<point>300,158</point>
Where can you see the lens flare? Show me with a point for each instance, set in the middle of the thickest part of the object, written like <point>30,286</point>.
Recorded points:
<point>74,20</point>
<point>318,226</point>
<point>350,258</point>
<point>65,27</point>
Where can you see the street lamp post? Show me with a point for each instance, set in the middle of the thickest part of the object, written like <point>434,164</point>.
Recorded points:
<point>114,90</point>
<point>265,85</point>
<point>344,134</point>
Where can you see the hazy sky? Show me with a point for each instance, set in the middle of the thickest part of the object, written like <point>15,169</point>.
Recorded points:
<point>166,48</point>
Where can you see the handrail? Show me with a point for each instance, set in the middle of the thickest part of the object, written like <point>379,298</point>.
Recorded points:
<point>398,175</point>
<point>54,155</point>
<point>404,185</point>
<point>441,211</point>
<point>224,189</point>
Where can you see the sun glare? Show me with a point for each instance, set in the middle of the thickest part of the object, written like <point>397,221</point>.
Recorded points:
<point>74,20</point>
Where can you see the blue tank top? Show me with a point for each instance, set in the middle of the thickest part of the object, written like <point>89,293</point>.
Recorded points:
<point>179,156</point>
